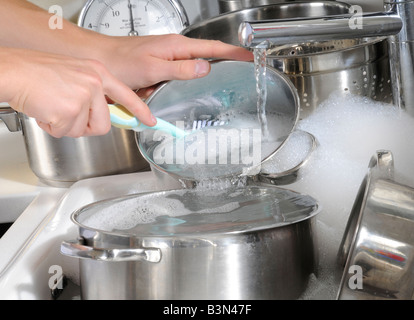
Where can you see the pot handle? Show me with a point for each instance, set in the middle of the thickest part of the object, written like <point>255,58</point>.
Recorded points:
<point>78,250</point>
<point>10,118</point>
<point>383,164</point>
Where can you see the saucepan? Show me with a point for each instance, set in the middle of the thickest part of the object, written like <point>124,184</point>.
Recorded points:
<point>62,162</point>
<point>256,242</point>
<point>376,252</point>
<point>224,104</point>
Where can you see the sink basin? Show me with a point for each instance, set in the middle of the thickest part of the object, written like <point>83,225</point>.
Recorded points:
<point>12,206</point>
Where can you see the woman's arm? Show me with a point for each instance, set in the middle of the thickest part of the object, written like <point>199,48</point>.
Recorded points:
<point>79,67</point>
<point>24,25</point>
<point>65,95</point>
<point>138,61</point>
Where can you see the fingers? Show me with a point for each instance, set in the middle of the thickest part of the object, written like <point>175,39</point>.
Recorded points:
<point>183,69</point>
<point>74,113</point>
<point>187,48</point>
<point>221,50</point>
<point>95,121</point>
<point>122,94</point>
<point>185,58</point>
<point>93,117</point>
<point>63,124</point>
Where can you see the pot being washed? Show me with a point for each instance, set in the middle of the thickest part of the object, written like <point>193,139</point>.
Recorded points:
<point>245,243</point>
<point>220,114</point>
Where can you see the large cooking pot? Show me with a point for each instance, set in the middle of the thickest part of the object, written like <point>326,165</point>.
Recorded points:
<point>61,162</point>
<point>244,243</point>
<point>317,69</point>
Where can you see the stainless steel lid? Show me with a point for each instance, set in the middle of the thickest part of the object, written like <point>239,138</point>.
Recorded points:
<point>198,212</point>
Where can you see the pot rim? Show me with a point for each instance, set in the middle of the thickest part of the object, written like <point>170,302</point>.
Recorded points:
<point>264,7</point>
<point>360,43</point>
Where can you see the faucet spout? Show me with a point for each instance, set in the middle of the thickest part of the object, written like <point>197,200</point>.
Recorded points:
<point>293,31</point>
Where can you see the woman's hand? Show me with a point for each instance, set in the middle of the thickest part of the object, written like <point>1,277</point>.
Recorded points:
<point>65,95</point>
<point>65,87</point>
<point>143,61</point>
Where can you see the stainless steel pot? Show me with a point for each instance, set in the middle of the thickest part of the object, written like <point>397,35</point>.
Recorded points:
<point>233,5</point>
<point>225,27</point>
<point>61,162</point>
<point>227,95</point>
<point>318,69</point>
<point>376,252</point>
<point>249,243</point>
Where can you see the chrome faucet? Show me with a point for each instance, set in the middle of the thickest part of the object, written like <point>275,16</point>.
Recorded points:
<point>396,22</point>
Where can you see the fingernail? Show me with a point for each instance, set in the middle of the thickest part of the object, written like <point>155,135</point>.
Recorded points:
<point>153,119</point>
<point>202,68</point>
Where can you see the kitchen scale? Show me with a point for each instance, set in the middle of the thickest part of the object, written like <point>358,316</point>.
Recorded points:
<point>133,17</point>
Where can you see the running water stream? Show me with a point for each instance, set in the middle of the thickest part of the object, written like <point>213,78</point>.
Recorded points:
<point>261,85</point>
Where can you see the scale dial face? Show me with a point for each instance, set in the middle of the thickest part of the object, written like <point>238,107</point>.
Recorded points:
<point>133,17</point>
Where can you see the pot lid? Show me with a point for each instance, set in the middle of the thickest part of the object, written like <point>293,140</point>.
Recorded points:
<point>197,212</point>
